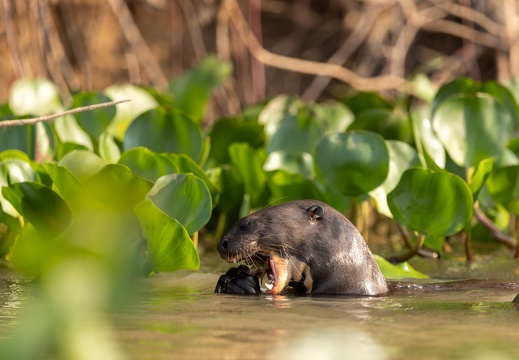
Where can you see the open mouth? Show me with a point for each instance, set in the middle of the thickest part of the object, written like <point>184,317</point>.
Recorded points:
<point>265,267</point>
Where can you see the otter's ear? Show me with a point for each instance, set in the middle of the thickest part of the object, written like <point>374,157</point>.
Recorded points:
<point>316,212</point>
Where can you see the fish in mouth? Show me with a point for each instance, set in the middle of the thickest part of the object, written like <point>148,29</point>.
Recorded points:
<point>273,271</point>
<point>262,266</point>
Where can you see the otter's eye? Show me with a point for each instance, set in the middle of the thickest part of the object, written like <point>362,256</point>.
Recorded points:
<point>244,227</point>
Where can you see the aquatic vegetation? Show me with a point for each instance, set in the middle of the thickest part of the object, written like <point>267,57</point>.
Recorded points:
<point>125,191</point>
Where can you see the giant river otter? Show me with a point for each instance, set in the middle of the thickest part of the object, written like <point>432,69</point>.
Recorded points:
<point>306,244</point>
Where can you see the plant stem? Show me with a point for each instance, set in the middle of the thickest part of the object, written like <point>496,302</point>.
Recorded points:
<point>517,237</point>
<point>195,239</point>
<point>494,230</point>
<point>354,211</point>
<point>410,254</point>
<point>468,242</point>
<point>364,218</point>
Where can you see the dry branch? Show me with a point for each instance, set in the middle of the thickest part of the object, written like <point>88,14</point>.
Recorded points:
<point>32,121</point>
<point>306,66</point>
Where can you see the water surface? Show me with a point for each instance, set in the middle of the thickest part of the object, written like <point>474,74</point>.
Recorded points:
<point>179,317</point>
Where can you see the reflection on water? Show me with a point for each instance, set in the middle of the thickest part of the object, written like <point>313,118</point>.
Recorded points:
<point>178,316</point>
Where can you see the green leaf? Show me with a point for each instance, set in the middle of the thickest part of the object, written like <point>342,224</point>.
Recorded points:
<point>276,110</point>
<point>183,197</point>
<point>35,97</point>
<point>431,203</point>
<point>479,175</point>
<point>13,153</point>
<point>116,186</point>
<point>192,90</point>
<point>352,163</point>
<point>295,133</point>
<point>384,122</point>
<point>69,131</point>
<point>169,245</point>
<point>228,130</point>
<point>65,148</point>
<point>68,186</point>
<point>503,186</point>
<point>427,143</point>
<point>163,130</point>
<point>289,186</point>
<point>148,164</point>
<point>83,164</point>
<point>41,206</point>
<point>108,148</point>
<point>401,158</point>
<point>455,88</point>
<point>94,122</point>
<point>472,128</point>
<point>333,117</point>
<point>186,165</point>
<point>363,101</point>
<point>231,187</point>
<point>14,170</point>
<point>10,228</point>
<point>290,162</point>
<point>504,96</point>
<point>35,140</point>
<point>250,168</point>
<point>141,101</point>
<point>32,252</point>
<point>400,271</point>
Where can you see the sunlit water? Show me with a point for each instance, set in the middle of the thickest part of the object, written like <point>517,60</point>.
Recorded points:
<point>177,316</point>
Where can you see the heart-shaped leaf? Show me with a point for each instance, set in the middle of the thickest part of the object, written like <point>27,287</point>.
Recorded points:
<point>479,175</point>
<point>94,122</point>
<point>148,164</point>
<point>183,197</point>
<point>352,163</point>
<point>35,97</point>
<point>250,168</point>
<point>401,158</point>
<point>503,186</point>
<point>116,186</point>
<point>164,130</point>
<point>141,101</point>
<point>83,164</point>
<point>169,245</point>
<point>192,90</point>
<point>41,206</point>
<point>228,130</point>
<point>472,127</point>
<point>431,203</point>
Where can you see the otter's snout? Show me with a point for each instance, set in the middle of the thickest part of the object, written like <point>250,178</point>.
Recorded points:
<point>222,247</point>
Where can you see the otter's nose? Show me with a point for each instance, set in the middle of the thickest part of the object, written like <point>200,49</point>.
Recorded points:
<point>222,247</point>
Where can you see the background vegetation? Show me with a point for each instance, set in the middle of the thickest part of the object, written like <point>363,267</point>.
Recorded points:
<point>385,129</point>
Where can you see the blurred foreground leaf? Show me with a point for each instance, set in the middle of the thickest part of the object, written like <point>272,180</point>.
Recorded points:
<point>169,245</point>
<point>183,197</point>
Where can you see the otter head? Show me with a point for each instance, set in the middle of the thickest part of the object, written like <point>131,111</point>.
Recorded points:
<point>265,241</point>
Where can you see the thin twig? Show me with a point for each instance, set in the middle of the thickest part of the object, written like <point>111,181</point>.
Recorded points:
<point>32,121</point>
<point>351,44</point>
<point>307,66</point>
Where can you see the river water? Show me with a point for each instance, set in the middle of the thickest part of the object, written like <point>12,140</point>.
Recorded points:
<point>177,316</point>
